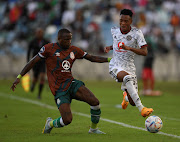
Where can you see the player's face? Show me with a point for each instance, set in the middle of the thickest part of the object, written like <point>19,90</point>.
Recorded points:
<point>125,22</point>
<point>39,34</point>
<point>65,40</point>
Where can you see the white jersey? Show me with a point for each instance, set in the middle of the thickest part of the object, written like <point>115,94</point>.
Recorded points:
<point>124,59</point>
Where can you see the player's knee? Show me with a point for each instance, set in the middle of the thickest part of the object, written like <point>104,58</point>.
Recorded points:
<point>95,102</point>
<point>127,79</point>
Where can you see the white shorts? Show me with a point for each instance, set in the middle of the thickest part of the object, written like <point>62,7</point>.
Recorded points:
<point>115,70</point>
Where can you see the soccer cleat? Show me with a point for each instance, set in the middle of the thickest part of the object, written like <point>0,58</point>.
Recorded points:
<point>146,111</point>
<point>47,127</point>
<point>124,104</point>
<point>95,131</point>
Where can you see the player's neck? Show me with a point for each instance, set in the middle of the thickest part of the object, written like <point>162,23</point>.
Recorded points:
<point>125,32</point>
<point>61,46</point>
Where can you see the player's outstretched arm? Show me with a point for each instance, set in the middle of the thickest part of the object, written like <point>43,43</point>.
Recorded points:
<point>27,67</point>
<point>98,59</point>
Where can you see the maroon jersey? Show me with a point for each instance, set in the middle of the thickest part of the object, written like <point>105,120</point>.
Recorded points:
<point>59,62</point>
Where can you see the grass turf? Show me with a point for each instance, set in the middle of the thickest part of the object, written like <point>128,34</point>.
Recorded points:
<point>22,121</point>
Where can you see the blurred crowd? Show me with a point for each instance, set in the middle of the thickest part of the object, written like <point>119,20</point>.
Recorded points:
<point>90,22</point>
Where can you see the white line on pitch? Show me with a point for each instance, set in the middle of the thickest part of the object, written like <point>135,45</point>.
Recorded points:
<point>78,113</point>
<point>168,118</point>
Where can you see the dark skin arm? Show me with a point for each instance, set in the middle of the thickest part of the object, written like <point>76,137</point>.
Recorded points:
<point>29,51</point>
<point>142,51</point>
<point>27,67</point>
<point>98,59</point>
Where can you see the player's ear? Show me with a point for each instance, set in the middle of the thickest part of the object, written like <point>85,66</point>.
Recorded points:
<point>131,20</point>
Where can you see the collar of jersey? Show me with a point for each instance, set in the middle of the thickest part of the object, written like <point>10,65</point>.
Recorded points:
<point>61,46</point>
<point>125,32</point>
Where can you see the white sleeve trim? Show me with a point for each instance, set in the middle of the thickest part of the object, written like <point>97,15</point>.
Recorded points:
<point>85,53</point>
<point>41,55</point>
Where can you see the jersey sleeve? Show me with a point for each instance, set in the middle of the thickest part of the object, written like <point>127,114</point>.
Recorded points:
<point>114,30</point>
<point>43,53</point>
<point>140,39</point>
<point>80,54</point>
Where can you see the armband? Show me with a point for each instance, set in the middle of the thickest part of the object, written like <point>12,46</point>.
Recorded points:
<point>109,59</point>
<point>19,76</point>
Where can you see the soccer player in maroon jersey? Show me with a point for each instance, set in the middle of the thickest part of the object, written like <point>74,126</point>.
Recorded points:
<point>59,58</point>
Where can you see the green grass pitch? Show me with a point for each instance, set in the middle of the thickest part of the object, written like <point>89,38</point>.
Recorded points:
<point>22,116</point>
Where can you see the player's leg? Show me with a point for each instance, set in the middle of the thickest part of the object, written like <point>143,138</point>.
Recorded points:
<point>151,79</point>
<point>41,84</point>
<point>63,120</point>
<point>145,80</point>
<point>35,78</point>
<point>63,101</point>
<point>113,72</point>
<point>85,95</point>
<point>128,81</point>
<point>42,70</point>
<point>126,100</point>
<point>66,116</point>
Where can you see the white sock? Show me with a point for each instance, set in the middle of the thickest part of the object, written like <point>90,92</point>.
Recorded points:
<point>61,122</point>
<point>128,81</point>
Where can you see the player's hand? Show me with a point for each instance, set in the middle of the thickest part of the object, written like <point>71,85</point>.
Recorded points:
<point>125,47</point>
<point>107,49</point>
<point>15,83</point>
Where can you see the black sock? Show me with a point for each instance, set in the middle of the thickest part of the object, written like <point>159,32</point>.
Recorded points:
<point>40,89</point>
<point>32,87</point>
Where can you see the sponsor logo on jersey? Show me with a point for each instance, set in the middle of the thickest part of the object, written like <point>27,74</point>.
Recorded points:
<point>120,47</point>
<point>66,66</point>
<point>72,56</point>
<point>129,37</point>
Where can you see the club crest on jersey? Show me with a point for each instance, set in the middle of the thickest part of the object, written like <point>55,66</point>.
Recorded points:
<point>42,49</point>
<point>72,56</point>
<point>57,54</point>
<point>66,66</point>
<point>129,37</point>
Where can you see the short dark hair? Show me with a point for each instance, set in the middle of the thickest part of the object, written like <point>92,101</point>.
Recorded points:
<point>126,12</point>
<point>62,31</point>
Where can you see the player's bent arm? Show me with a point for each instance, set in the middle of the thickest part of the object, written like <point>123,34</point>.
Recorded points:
<point>30,64</point>
<point>98,59</point>
<point>142,51</point>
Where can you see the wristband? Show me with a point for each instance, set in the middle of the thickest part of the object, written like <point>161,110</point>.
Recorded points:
<point>109,59</point>
<point>19,76</point>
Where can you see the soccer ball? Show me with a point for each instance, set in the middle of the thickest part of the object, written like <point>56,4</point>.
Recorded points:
<point>153,124</point>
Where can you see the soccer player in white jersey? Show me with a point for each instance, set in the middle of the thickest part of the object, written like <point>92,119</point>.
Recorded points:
<point>127,41</point>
